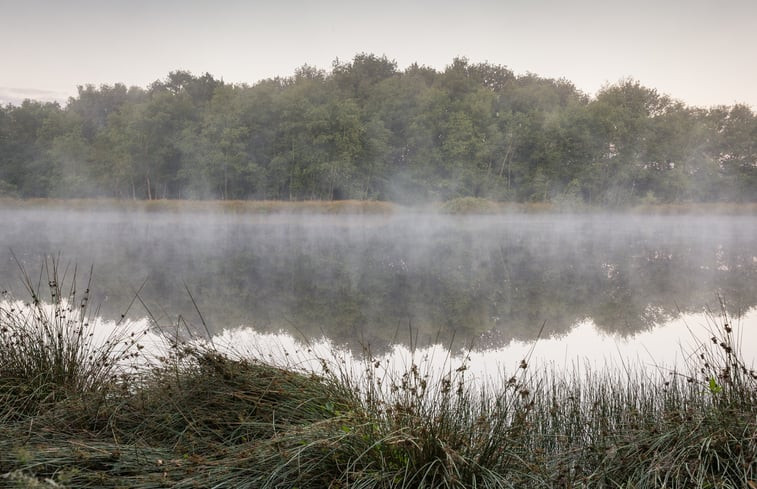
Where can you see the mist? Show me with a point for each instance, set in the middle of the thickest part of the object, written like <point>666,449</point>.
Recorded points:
<point>411,277</point>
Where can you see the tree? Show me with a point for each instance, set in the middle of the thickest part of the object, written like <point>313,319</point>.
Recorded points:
<point>28,134</point>
<point>94,106</point>
<point>624,113</point>
<point>357,78</point>
<point>366,130</point>
<point>737,150</point>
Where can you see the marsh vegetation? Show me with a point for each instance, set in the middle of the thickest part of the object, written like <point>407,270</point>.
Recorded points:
<point>79,413</point>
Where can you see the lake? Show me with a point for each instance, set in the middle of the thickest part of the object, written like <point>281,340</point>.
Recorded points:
<point>592,281</point>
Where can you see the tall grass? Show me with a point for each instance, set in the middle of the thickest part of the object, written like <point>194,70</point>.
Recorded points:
<point>196,417</point>
<point>48,344</point>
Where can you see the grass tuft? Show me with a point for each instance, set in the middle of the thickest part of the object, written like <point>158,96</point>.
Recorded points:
<point>73,416</point>
<point>49,350</point>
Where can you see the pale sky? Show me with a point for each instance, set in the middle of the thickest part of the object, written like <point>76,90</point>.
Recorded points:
<point>703,52</point>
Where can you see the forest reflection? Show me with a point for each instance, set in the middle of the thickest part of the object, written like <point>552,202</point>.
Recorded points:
<point>404,278</point>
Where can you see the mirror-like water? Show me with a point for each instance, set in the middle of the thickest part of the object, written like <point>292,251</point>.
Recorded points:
<point>486,280</point>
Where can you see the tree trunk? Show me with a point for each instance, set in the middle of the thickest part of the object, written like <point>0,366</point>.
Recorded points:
<point>225,182</point>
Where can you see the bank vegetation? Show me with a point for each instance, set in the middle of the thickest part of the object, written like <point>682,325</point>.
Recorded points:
<point>80,412</point>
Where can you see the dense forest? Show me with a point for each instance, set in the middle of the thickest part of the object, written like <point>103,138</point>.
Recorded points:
<point>366,130</point>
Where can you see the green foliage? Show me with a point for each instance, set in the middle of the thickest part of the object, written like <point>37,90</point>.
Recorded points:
<point>714,387</point>
<point>469,205</point>
<point>366,130</point>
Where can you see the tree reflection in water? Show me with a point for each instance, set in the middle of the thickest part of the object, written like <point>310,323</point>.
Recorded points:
<point>371,279</point>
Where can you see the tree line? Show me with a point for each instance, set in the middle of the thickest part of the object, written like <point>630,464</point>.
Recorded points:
<point>367,130</point>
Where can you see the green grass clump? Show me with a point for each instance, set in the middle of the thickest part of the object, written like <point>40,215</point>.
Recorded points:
<point>199,399</point>
<point>48,349</point>
<point>469,205</point>
<point>196,417</point>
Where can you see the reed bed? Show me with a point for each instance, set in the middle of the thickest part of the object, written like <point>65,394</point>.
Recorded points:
<point>72,417</point>
<point>307,207</point>
<point>456,206</point>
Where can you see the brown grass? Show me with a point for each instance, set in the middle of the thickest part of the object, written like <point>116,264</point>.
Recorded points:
<point>224,206</point>
<point>462,206</point>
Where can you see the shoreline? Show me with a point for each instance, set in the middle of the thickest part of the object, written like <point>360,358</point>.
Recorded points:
<point>461,206</point>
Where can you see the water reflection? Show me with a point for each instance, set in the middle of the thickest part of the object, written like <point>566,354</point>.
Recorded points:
<point>380,280</point>
<point>672,346</point>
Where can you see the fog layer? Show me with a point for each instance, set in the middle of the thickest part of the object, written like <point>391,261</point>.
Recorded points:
<point>374,279</point>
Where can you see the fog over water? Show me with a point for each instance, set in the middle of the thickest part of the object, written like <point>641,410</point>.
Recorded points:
<point>602,284</point>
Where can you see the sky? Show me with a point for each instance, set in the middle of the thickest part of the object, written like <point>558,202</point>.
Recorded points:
<point>702,52</point>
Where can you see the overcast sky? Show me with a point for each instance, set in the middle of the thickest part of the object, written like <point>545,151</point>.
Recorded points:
<point>703,52</point>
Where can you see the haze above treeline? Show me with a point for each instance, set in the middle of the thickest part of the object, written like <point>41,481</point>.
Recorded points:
<point>366,130</point>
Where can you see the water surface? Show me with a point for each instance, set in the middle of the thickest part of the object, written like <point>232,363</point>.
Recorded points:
<point>413,278</point>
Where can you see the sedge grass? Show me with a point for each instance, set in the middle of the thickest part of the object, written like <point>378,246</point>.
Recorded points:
<point>48,346</point>
<point>199,418</point>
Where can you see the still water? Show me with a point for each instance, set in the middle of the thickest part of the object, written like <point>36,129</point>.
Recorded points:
<point>600,285</point>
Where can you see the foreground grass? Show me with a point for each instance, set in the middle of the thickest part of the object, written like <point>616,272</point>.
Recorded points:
<point>71,417</point>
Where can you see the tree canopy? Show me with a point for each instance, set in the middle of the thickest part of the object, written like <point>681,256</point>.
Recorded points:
<point>367,130</point>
